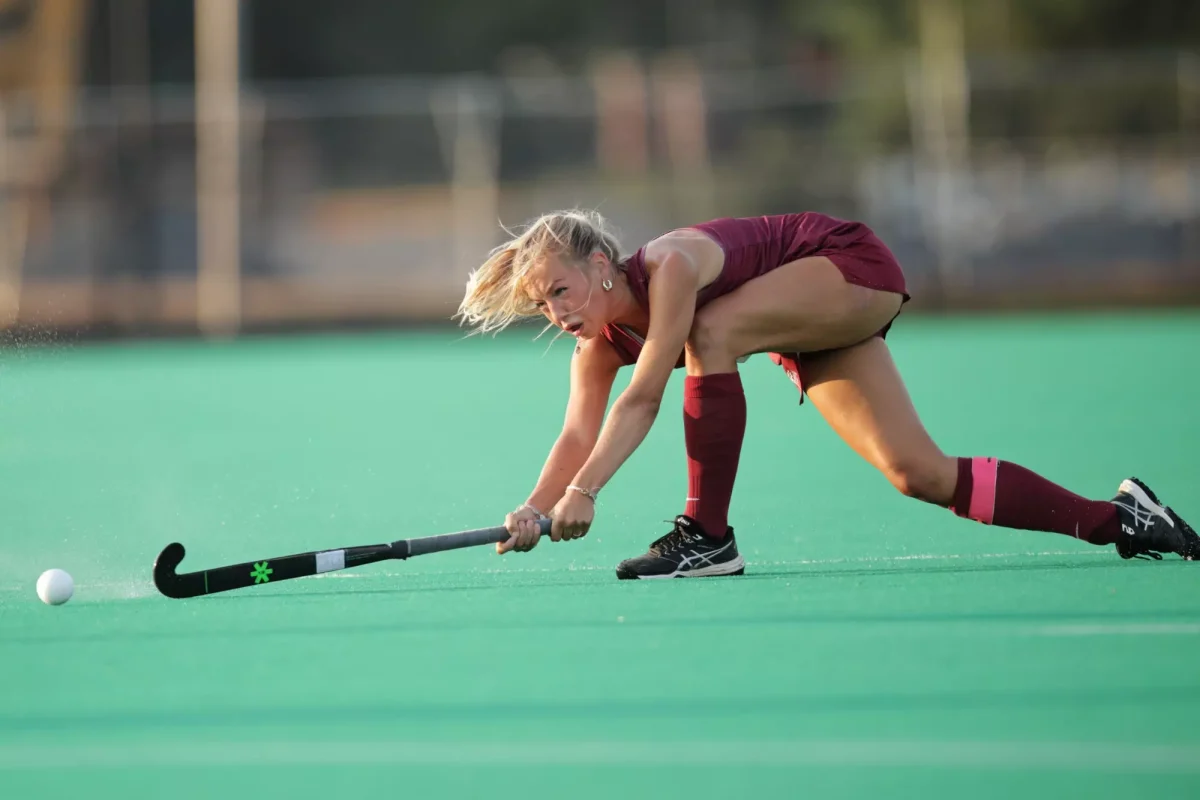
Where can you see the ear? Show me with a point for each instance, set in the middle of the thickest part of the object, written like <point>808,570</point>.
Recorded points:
<point>602,265</point>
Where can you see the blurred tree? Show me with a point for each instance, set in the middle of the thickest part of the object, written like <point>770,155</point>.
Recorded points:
<point>861,28</point>
<point>1091,87</point>
<point>1107,24</point>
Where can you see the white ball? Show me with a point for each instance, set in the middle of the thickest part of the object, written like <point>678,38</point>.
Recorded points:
<point>55,587</point>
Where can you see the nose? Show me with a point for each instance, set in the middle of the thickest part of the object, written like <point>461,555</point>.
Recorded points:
<point>555,312</point>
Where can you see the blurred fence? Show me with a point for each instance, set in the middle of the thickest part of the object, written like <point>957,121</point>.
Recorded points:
<point>1047,181</point>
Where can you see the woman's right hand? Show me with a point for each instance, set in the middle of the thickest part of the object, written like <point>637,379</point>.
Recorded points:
<point>522,530</point>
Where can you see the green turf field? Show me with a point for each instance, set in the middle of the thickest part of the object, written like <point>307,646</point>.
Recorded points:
<point>876,647</point>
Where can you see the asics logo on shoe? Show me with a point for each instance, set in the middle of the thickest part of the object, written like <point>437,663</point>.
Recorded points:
<point>698,559</point>
<point>1143,517</point>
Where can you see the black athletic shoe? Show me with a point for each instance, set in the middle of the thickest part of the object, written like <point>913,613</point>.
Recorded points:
<point>1150,528</point>
<point>686,552</point>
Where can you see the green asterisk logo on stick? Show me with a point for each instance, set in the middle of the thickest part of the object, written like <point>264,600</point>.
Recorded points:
<point>261,572</point>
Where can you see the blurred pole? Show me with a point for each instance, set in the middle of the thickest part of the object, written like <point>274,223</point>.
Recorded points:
<point>13,228</point>
<point>939,108</point>
<point>252,126</point>
<point>1188,80</point>
<point>466,115</point>
<point>622,116</point>
<point>218,279</point>
<point>45,64</point>
<point>681,124</point>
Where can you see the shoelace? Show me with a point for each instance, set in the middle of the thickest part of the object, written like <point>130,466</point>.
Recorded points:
<point>674,540</point>
<point>1142,554</point>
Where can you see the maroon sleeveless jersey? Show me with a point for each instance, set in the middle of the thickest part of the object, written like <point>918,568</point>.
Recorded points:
<point>756,245</point>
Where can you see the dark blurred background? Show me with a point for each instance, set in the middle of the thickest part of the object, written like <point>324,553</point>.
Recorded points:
<point>221,166</point>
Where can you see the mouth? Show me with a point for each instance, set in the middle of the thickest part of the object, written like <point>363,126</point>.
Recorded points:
<point>574,328</point>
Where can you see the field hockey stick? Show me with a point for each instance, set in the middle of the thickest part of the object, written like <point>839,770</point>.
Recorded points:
<point>315,562</point>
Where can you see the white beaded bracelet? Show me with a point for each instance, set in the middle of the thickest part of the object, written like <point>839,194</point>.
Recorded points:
<point>592,493</point>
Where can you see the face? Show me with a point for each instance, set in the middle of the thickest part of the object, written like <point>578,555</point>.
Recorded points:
<point>570,295</point>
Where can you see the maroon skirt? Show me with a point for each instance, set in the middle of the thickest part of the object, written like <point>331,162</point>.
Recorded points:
<point>864,260</point>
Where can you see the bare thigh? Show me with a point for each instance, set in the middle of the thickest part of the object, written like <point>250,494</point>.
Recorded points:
<point>802,306</point>
<point>859,392</point>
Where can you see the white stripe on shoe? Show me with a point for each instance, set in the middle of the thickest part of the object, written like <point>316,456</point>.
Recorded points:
<point>1142,500</point>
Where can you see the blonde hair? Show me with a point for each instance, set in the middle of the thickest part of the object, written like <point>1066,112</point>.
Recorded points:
<point>495,296</point>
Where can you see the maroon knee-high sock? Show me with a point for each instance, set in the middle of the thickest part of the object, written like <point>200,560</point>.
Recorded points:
<point>714,423</point>
<point>1002,493</point>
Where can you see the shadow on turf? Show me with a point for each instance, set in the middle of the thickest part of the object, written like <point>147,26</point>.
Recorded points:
<point>654,619</point>
<point>914,567</point>
<point>645,708</point>
<point>940,569</point>
<point>753,573</point>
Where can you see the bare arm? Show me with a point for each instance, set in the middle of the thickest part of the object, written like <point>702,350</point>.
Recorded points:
<point>593,370</point>
<point>678,270</point>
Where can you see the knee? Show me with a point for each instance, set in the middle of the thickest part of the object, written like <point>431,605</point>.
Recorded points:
<point>928,479</point>
<point>709,338</point>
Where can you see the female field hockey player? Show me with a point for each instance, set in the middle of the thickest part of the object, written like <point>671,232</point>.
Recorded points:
<point>816,293</point>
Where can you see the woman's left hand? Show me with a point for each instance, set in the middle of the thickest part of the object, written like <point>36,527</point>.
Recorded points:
<point>572,516</point>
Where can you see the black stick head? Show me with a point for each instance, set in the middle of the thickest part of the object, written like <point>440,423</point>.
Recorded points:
<point>164,569</point>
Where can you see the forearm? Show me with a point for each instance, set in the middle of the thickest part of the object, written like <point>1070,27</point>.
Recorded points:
<point>627,425</point>
<point>566,457</point>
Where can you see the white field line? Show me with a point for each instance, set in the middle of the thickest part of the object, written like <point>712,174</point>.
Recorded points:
<point>749,563</point>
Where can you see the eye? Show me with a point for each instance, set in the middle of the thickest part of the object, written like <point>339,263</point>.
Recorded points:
<point>560,290</point>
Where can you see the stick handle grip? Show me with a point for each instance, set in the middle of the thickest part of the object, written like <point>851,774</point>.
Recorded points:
<point>455,541</point>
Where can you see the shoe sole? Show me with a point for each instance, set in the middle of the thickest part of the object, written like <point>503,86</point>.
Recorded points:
<point>735,567</point>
